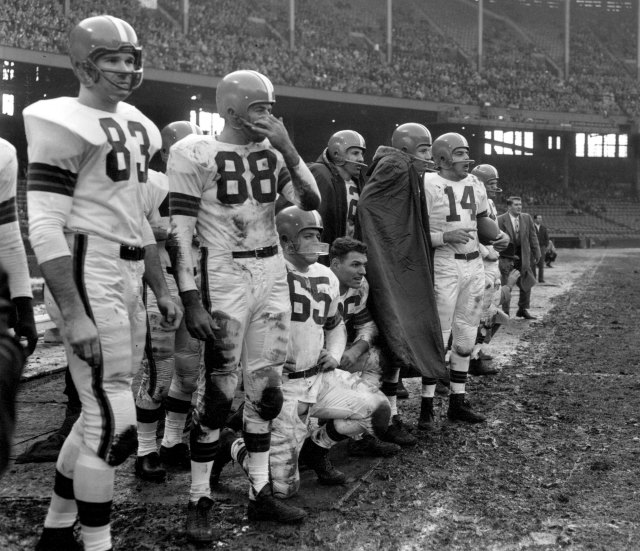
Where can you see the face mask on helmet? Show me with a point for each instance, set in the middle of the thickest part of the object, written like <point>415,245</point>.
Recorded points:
<point>488,175</point>
<point>240,90</point>
<point>412,138</point>
<point>290,223</point>
<point>445,147</point>
<point>339,146</point>
<point>174,132</point>
<point>98,36</point>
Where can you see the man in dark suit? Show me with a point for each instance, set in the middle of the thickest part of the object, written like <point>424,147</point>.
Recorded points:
<point>543,240</point>
<point>526,250</point>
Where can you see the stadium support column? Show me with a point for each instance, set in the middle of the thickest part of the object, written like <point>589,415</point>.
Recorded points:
<point>480,33</point>
<point>292,24</point>
<point>389,31</point>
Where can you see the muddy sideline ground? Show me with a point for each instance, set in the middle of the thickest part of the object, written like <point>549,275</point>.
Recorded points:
<point>555,467</point>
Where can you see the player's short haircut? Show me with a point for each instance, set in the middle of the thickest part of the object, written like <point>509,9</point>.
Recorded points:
<point>342,246</point>
<point>512,199</point>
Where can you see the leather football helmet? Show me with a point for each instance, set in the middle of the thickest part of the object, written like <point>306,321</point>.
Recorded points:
<point>175,131</point>
<point>340,143</point>
<point>291,221</point>
<point>488,175</point>
<point>407,137</point>
<point>96,36</point>
<point>444,146</point>
<point>240,90</point>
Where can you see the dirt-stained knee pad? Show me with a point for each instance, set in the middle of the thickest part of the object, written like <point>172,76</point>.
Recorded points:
<point>270,403</point>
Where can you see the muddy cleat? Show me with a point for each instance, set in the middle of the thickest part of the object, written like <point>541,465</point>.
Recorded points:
<point>402,393</point>
<point>223,455</point>
<point>370,446</point>
<point>427,421</point>
<point>398,434</point>
<point>56,539</point>
<point>267,507</point>
<point>176,456</point>
<point>478,368</point>
<point>460,410</point>
<point>199,528</point>
<point>317,458</point>
<point>148,467</point>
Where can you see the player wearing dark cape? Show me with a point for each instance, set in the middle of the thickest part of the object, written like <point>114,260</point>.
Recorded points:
<point>393,222</point>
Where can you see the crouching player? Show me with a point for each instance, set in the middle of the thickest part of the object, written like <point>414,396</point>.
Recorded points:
<point>362,355</point>
<point>312,382</point>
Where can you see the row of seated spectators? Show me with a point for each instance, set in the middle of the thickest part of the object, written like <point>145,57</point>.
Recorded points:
<point>425,65</point>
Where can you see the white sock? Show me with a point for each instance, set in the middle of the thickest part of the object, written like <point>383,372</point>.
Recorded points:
<point>173,428</point>
<point>200,473</point>
<point>428,391</point>
<point>258,471</point>
<point>147,438</point>
<point>96,538</point>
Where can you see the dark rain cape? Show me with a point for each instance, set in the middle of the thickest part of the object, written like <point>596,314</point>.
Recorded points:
<point>393,222</point>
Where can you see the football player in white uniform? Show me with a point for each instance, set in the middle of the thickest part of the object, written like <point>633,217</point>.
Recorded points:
<point>16,309</point>
<point>362,354</point>
<point>172,358</point>
<point>488,175</point>
<point>313,384</point>
<point>13,258</point>
<point>88,161</point>
<point>225,186</point>
<point>455,199</point>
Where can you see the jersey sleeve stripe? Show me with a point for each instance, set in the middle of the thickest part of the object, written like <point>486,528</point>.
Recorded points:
<point>8,212</point>
<point>183,204</point>
<point>164,206</point>
<point>362,317</point>
<point>52,179</point>
<point>284,177</point>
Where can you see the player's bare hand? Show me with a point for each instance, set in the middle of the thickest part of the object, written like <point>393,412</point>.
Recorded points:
<point>171,313</point>
<point>349,360</point>
<point>84,339</point>
<point>199,323</point>
<point>461,235</point>
<point>502,242</point>
<point>326,361</point>
<point>272,128</point>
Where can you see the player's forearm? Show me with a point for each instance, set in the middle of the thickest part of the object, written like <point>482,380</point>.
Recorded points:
<point>153,271</point>
<point>336,341</point>
<point>13,260</point>
<point>360,347</point>
<point>58,275</point>
<point>307,195</point>
<point>182,260</point>
<point>365,334</point>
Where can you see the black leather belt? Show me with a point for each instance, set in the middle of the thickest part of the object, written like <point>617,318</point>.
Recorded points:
<point>467,256</point>
<point>264,252</point>
<point>171,271</point>
<point>304,374</point>
<point>128,252</point>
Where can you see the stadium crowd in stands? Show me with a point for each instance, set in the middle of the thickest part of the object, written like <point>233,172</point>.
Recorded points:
<point>427,64</point>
